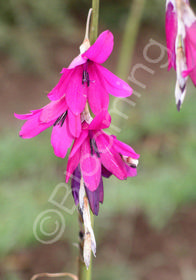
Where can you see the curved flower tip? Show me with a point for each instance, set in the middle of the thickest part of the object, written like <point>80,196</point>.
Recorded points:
<point>101,49</point>
<point>32,127</point>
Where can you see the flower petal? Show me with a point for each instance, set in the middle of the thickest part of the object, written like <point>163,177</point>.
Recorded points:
<point>53,110</point>
<point>110,159</point>
<point>171,33</point>
<point>78,142</point>
<point>61,139</point>
<point>60,89</point>
<point>90,167</point>
<point>124,149</point>
<point>190,49</point>
<point>101,192</point>
<point>95,197</point>
<point>27,116</point>
<point>78,60</point>
<point>72,165</point>
<point>113,84</point>
<point>32,126</point>
<point>131,172</point>
<point>100,121</point>
<point>101,49</point>
<point>98,97</point>
<point>75,184</point>
<point>105,173</point>
<point>74,124</point>
<point>76,93</point>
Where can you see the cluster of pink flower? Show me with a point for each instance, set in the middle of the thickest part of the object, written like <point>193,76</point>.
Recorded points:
<point>87,83</point>
<point>181,44</point>
<point>94,153</point>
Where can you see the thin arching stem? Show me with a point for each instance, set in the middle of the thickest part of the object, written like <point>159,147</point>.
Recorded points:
<point>94,22</point>
<point>88,24</point>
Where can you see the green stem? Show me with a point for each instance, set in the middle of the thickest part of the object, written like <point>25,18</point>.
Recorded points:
<point>129,38</point>
<point>94,22</point>
<point>83,272</point>
<point>93,37</point>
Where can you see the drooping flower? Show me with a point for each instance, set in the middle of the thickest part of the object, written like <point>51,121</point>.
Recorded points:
<point>95,154</point>
<point>181,44</point>
<point>84,80</point>
<point>87,80</point>
<point>56,113</point>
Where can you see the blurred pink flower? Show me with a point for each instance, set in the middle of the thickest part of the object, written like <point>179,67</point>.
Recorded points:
<point>171,32</point>
<point>95,154</point>
<point>181,43</point>
<point>86,80</point>
<point>54,114</point>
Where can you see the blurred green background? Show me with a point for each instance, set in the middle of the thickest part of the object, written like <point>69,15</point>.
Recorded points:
<point>146,226</point>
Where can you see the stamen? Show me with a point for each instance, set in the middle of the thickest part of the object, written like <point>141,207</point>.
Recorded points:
<point>91,146</point>
<point>85,78</point>
<point>60,120</point>
<point>94,148</point>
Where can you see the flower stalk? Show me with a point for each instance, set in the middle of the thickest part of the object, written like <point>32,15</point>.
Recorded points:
<point>94,22</point>
<point>179,7</point>
<point>85,273</point>
<point>86,236</point>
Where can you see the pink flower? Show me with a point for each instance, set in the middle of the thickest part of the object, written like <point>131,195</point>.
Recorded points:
<point>54,114</point>
<point>95,154</point>
<point>171,32</point>
<point>181,43</point>
<point>85,77</point>
<point>190,50</point>
<point>86,80</point>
